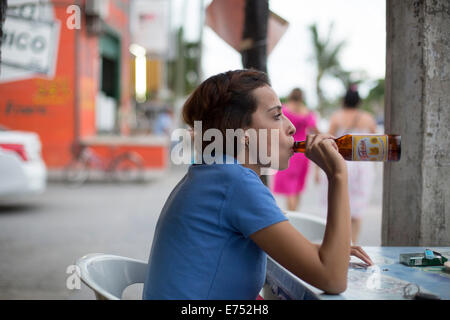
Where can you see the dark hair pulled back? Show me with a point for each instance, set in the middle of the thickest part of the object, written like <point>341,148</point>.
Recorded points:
<point>225,101</point>
<point>352,98</point>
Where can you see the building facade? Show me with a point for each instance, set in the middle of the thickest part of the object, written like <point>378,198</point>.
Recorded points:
<point>66,75</point>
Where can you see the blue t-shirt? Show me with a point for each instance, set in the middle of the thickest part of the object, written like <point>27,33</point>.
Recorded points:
<point>201,248</point>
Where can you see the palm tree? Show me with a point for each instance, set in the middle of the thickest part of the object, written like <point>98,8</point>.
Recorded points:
<point>374,102</point>
<point>326,58</point>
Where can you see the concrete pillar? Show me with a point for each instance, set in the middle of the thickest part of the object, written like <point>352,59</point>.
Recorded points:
<point>416,193</point>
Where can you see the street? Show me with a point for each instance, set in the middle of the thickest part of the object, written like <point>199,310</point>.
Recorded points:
<point>40,240</point>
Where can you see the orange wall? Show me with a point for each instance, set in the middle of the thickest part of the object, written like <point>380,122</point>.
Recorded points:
<point>45,105</point>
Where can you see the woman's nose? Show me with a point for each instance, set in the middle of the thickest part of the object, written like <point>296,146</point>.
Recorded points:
<point>291,128</point>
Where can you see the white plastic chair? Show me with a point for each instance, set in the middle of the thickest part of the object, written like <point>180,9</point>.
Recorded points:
<point>310,226</point>
<point>109,275</point>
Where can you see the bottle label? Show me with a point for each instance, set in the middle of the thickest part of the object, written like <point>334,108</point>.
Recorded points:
<point>369,147</point>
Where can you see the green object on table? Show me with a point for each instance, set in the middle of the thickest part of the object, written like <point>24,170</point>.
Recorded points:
<point>421,259</point>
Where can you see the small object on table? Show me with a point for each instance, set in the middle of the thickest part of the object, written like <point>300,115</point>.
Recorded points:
<point>429,258</point>
<point>412,291</point>
<point>429,254</point>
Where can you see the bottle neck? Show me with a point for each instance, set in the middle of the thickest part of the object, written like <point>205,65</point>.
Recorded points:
<point>299,146</point>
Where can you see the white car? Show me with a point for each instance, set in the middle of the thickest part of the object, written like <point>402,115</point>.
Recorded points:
<point>22,171</point>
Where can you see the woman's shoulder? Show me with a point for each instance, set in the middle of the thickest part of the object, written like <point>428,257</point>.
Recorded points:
<point>241,174</point>
<point>241,177</point>
<point>367,118</point>
<point>367,115</point>
<point>336,116</point>
<point>306,114</point>
<point>231,168</point>
<point>228,177</point>
<point>313,114</point>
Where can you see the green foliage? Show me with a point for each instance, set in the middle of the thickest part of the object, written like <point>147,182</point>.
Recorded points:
<point>374,102</point>
<point>326,60</point>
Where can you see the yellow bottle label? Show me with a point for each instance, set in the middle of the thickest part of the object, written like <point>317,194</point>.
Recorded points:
<point>369,147</point>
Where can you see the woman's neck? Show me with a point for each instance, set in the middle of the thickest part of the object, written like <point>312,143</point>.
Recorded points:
<point>244,160</point>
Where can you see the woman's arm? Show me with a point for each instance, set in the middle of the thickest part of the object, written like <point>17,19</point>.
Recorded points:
<point>335,248</point>
<point>324,267</point>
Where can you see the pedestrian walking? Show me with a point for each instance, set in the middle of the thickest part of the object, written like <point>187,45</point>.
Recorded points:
<point>291,182</point>
<point>361,175</point>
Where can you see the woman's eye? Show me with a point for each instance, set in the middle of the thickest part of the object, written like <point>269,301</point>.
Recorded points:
<point>277,117</point>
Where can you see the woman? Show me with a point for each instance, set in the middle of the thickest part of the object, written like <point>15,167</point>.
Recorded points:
<point>291,182</point>
<point>220,220</point>
<point>350,119</point>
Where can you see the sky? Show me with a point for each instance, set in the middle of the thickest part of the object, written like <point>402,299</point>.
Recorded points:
<point>361,23</point>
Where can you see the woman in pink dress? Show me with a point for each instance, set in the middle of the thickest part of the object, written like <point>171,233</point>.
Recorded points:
<point>291,181</point>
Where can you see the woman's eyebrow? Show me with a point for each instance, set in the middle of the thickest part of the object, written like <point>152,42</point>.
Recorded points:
<point>276,107</point>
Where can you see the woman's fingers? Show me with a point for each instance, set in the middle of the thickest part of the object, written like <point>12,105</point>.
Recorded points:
<point>361,254</point>
<point>318,137</point>
<point>311,140</point>
<point>334,145</point>
<point>362,257</point>
<point>365,254</point>
<point>315,140</point>
<point>358,249</point>
<point>322,150</point>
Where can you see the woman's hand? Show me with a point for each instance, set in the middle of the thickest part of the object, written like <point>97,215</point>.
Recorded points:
<point>361,254</point>
<point>323,151</point>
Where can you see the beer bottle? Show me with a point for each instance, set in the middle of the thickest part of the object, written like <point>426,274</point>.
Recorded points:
<point>367,147</point>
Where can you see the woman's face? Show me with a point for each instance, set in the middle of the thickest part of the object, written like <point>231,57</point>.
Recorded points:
<point>269,116</point>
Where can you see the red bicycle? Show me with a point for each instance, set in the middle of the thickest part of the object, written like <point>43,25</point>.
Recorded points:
<point>125,166</point>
